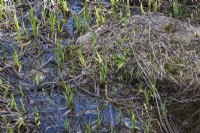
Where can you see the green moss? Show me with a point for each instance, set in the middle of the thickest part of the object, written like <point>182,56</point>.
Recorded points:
<point>174,66</point>
<point>178,62</point>
<point>170,28</point>
<point>170,69</point>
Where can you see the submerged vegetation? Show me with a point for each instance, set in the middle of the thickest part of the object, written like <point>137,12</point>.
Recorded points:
<point>136,77</point>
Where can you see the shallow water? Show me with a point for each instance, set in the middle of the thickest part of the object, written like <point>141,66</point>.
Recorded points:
<point>51,104</point>
<point>54,112</point>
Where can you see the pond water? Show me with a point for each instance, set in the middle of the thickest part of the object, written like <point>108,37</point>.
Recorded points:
<point>52,105</point>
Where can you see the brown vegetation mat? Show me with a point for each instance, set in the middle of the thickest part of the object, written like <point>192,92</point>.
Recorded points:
<point>158,53</point>
<point>149,53</point>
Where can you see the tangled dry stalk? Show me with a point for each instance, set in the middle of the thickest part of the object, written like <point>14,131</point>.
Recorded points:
<point>173,58</point>
<point>158,51</point>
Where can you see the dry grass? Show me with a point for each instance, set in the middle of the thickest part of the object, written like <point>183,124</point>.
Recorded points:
<point>151,57</point>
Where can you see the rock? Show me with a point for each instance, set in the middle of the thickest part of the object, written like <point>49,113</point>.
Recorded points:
<point>86,39</point>
<point>172,28</point>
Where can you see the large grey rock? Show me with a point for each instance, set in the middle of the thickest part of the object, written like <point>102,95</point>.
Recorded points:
<point>171,28</point>
<point>174,29</point>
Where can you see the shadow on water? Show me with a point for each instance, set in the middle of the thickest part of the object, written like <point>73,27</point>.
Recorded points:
<point>186,116</point>
<point>54,113</point>
<point>70,27</point>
